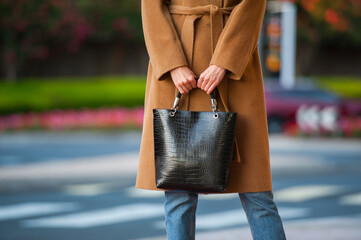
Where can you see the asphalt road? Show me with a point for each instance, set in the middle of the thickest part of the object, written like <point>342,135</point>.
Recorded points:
<point>312,179</point>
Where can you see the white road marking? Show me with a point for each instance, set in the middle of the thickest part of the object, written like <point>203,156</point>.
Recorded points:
<point>221,196</point>
<point>222,219</point>
<point>89,189</point>
<point>100,217</point>
<point>30,209</point>
<point>141,193</point>
<point>287,212</point>
<point>304,193</point>
<point>296,162</point>
<point>114,165</point>
<point>352,199</point>
<point>235,217</point>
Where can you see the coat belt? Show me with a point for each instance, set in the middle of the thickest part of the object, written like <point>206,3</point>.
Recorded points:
<point>187,38</point>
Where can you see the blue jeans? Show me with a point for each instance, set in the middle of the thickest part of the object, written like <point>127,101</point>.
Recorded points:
<point>261,211</point>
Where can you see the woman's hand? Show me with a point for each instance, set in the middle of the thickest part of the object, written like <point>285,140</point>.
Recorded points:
<point>183,78</point>
<point>210,78</point>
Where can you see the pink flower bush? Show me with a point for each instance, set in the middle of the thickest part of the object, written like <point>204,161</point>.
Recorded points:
<point>74,119</point>
<point>351,127</point>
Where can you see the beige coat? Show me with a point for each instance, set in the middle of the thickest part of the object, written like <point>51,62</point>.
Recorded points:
<point>198,33</point>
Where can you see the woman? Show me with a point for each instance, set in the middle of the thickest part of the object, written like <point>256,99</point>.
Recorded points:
<point>217,41</point>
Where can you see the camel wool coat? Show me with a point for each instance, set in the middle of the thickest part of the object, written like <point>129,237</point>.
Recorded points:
<point>199,33</point>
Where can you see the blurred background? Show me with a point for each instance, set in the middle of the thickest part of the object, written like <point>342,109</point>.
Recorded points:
<point>72,84</point>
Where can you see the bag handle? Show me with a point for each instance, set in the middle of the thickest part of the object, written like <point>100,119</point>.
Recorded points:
<point>177,100</point>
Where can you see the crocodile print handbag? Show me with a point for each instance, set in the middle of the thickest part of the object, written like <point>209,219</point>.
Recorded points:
<point>193,150</point>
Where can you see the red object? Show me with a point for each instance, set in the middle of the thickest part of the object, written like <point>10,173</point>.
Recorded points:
<point>282,105</point>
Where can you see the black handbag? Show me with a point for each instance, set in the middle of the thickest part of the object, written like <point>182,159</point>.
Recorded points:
<point>193,149</point>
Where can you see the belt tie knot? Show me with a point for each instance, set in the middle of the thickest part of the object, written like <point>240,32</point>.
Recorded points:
<point>187,36</point>
<point>193,13</point>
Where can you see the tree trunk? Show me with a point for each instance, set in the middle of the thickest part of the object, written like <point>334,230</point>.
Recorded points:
<point>305,58</point>
<point>10,72</point>
<point>9,58</point>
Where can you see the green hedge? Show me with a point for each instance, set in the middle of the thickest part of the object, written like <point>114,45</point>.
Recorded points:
<point>118,91</point>
<point>343,86</point>
<point>65,93</point>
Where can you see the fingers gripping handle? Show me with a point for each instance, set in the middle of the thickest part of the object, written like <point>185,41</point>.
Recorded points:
<point>177,100</point>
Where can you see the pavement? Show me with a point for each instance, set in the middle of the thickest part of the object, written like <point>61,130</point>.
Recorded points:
<point>120,167</point>
<point>345,228</point>
<point>316,229</point>
<point>124,165</point>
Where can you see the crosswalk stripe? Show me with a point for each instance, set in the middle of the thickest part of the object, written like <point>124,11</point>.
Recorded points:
<point>222,219</point>
<point>89,189</point>
<point>238,217</point>
<point>141,193</point>
<point>99,217</point>
<point>305,193</point>
<point>352,199</point>
<point>223,196</point>
<point>288,212</point>
<point>235,217</point>
<point>30,209</point>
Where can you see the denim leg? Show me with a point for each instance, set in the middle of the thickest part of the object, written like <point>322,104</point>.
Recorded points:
<point>262,215</point>
<point>180,214</point>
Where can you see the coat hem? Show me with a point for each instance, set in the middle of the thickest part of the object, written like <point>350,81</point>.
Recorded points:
<point>269,188</point>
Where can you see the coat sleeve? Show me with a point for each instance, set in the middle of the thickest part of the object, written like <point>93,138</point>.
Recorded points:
<point>161,38</point>
<point>239,37</point>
